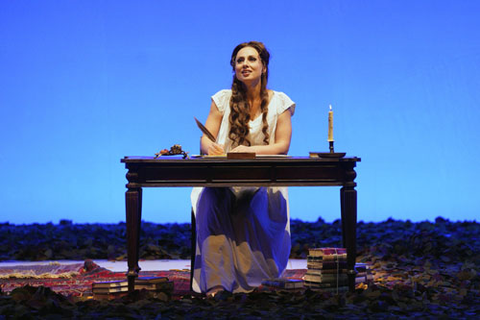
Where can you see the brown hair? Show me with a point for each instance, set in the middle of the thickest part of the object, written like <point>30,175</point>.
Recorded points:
<point>239,106</point>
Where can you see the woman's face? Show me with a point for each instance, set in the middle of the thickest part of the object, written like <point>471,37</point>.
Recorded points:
<point>248,65</point>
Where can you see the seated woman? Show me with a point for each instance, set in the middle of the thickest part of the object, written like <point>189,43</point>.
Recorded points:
<point>243,233</point>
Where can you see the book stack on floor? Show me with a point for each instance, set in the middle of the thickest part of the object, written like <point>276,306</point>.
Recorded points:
<point>109,289</point>
<point>118,288</point>
<point>327,270</point>
<point>364,273</point>
<point>283,284</point>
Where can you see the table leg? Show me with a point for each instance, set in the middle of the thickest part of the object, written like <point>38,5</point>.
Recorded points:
<point>133,201</point>
<point>348,198</point>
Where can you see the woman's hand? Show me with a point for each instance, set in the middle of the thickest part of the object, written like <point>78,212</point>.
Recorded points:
<point>215,149</point>
<point>242,149</point>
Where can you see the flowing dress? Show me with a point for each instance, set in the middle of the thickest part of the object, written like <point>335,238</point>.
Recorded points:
<point>243,233</point>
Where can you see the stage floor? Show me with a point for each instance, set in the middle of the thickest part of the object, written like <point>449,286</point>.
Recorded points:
<point>146,265</point>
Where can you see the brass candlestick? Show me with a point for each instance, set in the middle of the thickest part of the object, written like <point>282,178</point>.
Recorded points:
<point>330,146</point>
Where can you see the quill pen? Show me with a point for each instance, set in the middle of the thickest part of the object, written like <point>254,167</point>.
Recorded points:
<point>205,130</point>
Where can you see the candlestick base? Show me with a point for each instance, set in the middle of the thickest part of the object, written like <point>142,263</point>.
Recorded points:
<point>330,146</point>
<point>329,155</point>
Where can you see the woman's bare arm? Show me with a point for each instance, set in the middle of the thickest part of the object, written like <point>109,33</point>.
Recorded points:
<point>213,123</point>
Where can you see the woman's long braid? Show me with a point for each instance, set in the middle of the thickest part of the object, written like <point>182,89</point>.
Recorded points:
<point>239,115</point>
<point>264,109</point>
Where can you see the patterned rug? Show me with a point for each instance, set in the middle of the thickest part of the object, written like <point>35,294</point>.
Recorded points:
<point>52,270</point>
<point>76,279</point>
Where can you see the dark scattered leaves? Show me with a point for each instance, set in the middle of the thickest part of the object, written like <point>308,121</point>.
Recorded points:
<point>68,241</point>
<point>421,270</point>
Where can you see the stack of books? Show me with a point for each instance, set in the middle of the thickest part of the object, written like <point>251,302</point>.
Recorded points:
<point>327,270</point>
<point>282,284</point>
<point>364,273</point>
<point>117,288</point>
<point>109,289</point>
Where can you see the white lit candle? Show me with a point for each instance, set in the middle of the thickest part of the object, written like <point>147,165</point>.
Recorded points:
<point>330,124</point>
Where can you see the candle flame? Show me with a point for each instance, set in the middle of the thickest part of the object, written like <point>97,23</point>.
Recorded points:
<point>330,107</point>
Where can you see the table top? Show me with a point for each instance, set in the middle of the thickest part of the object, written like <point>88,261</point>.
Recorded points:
<point>223,159</point>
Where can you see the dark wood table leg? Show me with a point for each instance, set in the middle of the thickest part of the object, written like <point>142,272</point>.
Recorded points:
<point>348,199</point>
<point>133,199</point>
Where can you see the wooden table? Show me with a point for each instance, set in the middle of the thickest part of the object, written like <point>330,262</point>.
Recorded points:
<point>222,172</point>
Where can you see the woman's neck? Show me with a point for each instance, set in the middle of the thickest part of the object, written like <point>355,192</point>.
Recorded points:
<point>254,99</point>
<point>253,91</point>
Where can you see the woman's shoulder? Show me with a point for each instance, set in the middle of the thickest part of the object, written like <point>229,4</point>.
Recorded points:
<point>282,102</point>
<point>281,95</point>
<point>222,99</point>
<point>223,93</point>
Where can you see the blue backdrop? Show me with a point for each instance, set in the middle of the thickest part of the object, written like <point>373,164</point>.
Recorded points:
<point>85,83</point>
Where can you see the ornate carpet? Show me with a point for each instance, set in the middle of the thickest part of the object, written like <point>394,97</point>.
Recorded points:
<point>76,279</point>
